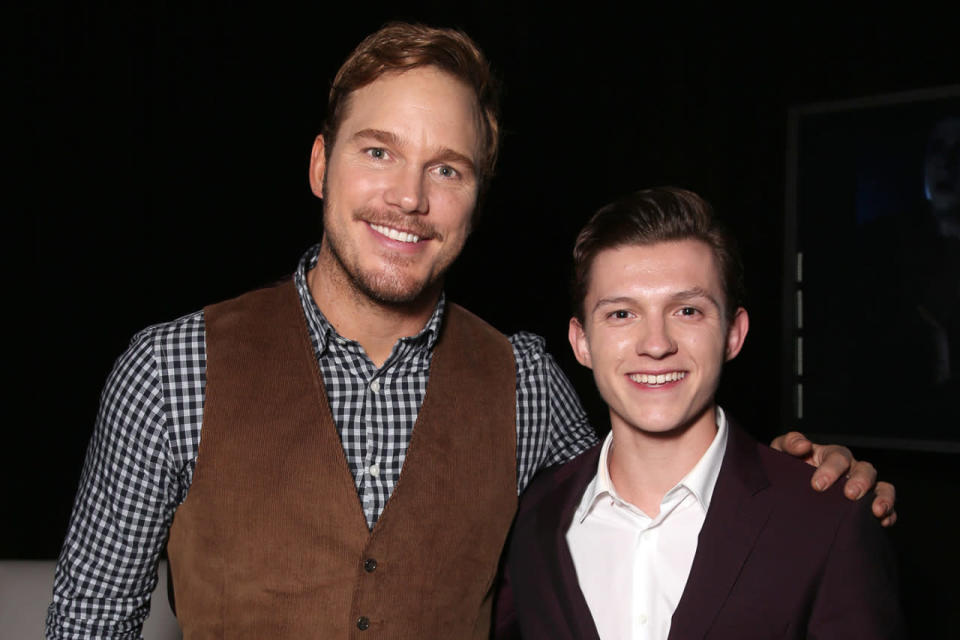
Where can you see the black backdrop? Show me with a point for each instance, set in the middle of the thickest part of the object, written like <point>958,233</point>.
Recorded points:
<point>165,151</point>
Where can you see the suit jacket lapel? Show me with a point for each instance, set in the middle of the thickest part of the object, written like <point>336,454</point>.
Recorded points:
<point>739,509</point>
<point>553,519</point>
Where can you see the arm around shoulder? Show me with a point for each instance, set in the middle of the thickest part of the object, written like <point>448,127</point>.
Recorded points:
<point>552,424</point>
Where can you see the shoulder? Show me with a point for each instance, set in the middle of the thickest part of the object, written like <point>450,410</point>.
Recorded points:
<point>789,485</point>
<point>530,352</point>
<point>160,347</point>
<point>529,349</point>
<point>789,475</point>
<point>814,525</point>
<point>528,345</point>
<point>265,300</point>
<point>560,480</point>
<point>172,336</point>
<point>153,395</point>
<point>469,321</point>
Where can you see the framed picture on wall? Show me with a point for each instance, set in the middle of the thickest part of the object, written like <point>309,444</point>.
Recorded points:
<point>872,271</point>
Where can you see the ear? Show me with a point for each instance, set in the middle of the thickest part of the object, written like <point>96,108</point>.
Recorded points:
<point>318,166</point>
<point>579,344</point>
<point>737,333</point>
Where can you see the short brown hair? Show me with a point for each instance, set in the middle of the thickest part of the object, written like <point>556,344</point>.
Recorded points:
<point>399,47</point>
<point>651,216</point>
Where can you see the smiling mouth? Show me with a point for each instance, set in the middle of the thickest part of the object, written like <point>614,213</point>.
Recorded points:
<point>657,379</point>
<point>395,234</point>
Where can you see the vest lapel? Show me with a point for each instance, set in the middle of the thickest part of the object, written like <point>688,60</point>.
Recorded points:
<point>739,509</point>
<point>330,454</point>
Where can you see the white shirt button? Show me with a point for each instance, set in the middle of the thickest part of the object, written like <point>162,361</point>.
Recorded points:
<point>642,618</point>
<point>374,470</point>
<point>375,386</point>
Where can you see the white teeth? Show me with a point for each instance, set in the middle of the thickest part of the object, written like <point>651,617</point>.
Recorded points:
<point>393,234</point>
<point>660,378</point>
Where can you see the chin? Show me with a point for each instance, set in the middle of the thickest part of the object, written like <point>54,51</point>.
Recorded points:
<point>391,290</point>
<point>659,428</point>
<point>664,426</point>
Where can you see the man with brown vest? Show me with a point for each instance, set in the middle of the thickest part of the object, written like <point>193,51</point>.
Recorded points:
<point>289,519</point>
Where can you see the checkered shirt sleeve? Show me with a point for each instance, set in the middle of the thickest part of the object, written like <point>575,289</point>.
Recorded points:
<point>138,466</point>
<point>552,426</point>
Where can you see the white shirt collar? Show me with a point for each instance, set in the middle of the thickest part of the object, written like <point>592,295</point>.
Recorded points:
<point>699,481</point>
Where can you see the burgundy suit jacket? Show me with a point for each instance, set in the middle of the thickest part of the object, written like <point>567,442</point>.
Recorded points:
<point>775,559</point>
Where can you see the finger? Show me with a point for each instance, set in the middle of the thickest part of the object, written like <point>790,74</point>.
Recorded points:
<point>861,478</point>
<point>890,520</point>
<point>794,443</point>
<point>883,503</point>
<point>835,462</point>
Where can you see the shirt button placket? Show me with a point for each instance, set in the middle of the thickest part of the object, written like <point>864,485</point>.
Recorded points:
<point>371,411</point>
<point>373,443</point>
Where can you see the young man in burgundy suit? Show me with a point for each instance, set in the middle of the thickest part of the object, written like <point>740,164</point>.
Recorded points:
<point>679,524</point>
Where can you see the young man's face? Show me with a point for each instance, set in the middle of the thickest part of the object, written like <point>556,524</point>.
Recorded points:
<point>400,184</point>
<point>656,335</point>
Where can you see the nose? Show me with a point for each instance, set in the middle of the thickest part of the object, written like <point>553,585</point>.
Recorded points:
<point>406,190</point>
<point>654,339</point>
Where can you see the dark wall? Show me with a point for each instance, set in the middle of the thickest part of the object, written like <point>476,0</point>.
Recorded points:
<point>166,152</point>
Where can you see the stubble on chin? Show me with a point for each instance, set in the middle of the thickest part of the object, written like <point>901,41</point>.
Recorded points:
<point>389,286</point>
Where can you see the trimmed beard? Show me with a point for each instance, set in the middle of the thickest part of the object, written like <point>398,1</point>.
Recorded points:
<point>381,288</point>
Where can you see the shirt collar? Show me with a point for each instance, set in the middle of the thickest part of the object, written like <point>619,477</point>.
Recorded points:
<point>324,331</point>
<point>703,477</point>
<point>700,480</point>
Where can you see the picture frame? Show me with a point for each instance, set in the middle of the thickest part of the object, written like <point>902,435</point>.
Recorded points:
<point>871,291</point>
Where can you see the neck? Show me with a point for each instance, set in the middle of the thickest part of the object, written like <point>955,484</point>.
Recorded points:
<point>374,325</point>
<point>644,466</point>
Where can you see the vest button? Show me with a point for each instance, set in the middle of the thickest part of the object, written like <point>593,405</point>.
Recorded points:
<point>370,565</point>
<point>363,623</point>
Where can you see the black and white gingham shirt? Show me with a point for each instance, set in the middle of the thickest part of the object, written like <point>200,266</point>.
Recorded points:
<point>144,449</point>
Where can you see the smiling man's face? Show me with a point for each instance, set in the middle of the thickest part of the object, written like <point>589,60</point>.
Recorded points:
<point>400,184</point>
<point>655,334</point>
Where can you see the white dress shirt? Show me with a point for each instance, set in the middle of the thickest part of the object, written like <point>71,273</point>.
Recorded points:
<point>632,569</point>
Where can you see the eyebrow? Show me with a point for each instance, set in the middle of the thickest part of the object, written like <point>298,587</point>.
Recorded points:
<point>615,300</point>
<point>444,154</point>
<point>697,292</point>
<point>679,296</point>
<point>386,137</point>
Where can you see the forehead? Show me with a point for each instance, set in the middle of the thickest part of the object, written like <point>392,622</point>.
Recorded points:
<point>660,268</point>
<point>423,105</point>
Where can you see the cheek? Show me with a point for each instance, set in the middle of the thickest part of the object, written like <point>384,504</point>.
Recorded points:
<point>459,219</point>
<point>350,183</point>
<point>453,205</point>
<point>706,345</point>
<point>609,351</point>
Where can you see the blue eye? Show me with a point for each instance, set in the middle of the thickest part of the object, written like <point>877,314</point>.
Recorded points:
<point>376,152</point>
<point>447,171</point>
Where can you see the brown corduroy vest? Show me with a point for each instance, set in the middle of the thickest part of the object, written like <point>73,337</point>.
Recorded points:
<point>271,541</point>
